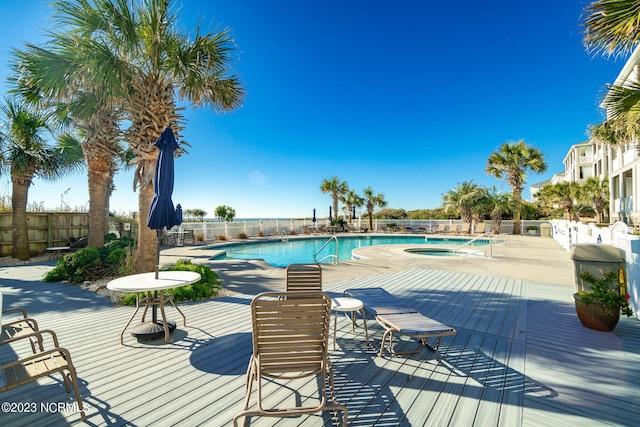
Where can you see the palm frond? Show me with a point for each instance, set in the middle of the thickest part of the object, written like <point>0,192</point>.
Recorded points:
<point>612,27</point>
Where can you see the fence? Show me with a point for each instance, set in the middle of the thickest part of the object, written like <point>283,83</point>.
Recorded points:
<point>569,233</point>
<point>47,229</point>
<point>209,231</point>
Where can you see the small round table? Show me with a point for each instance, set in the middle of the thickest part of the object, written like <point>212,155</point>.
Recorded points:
<point>348,305</point>
<point>147,282</point>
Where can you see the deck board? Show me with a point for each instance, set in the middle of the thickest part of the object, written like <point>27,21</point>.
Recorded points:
<point>516,360</point>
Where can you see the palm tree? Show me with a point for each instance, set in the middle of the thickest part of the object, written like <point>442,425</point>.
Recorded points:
<point>612,26</point>
<point>373,200</point>
<point>511,162</point>
<point>563,194</point>
<point>71,70</point>
<point>336,188</point>
<point>597,192</point>
<point>495,204</point>
<point>160,66</point>
<point>351,199</point>
<point>463,198</point>
<point>24,149</point>
<point>614,131</point>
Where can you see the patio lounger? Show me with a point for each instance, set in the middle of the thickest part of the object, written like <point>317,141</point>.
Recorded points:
<point>19,327</point>
<point>73,246</point>
<point>21,370</point>
<point>465,228</point>
<point>290,341</point>
<point>395,316</point>
<point>441,228</point>
<point>480,227</point>
<point>25,369</point>
<point>304,277</point>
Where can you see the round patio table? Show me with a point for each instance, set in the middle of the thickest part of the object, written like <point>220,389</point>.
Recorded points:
<point>147,283</point>
<point>348,305</point>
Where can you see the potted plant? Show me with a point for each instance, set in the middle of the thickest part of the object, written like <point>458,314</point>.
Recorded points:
<point>600,306</point>
<point>532,229</point>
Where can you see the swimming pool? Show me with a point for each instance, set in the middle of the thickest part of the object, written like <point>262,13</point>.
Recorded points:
<point>281,253</point>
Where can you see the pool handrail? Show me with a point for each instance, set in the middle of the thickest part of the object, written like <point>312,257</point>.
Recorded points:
<point>503,237</point>
<point>335,257</point>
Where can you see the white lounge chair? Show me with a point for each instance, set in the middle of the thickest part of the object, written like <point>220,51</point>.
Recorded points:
<point>395,316</point>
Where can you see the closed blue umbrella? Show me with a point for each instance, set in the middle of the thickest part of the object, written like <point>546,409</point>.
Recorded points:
<point>330,217</point>
<point>314,215</point>
<point>178,214</point>
<point>162,213</point>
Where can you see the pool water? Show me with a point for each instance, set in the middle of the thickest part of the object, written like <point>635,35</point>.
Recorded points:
<point>302,251</point>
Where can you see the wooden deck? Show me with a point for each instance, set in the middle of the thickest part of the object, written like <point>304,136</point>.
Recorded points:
<point>520,358</point>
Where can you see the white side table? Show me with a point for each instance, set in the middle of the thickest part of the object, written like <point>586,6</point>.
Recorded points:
<point>348,305</point>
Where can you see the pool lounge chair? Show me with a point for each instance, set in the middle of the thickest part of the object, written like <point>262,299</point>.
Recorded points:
<point>290,341</point>
<point>72,247</point>
<point>395,316</point>
<point>442,228</point>
<point>303,277</point>
<point>19,326</point>
<point>465,228</point>
<point>479,228</point>
<point>22,369</point>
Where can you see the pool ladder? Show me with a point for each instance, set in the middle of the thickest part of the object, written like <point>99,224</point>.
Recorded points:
<point>501,238</point>
<point>335,258</point>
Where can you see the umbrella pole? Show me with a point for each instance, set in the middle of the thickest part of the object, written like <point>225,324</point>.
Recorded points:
<point>154,311</point>
<point>159,236</point>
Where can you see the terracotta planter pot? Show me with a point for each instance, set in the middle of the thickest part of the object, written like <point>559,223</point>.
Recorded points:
<point>592,316</point>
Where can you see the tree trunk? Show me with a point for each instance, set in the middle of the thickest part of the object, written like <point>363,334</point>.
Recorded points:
<point>99,181</point>
<point>20,235</point>
<point>147,238</point>
<point>516,215</point>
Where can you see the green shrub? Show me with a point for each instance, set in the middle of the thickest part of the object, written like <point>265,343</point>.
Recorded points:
<point>91,263</point>
<point>76,267</point>
<point>207,287</point>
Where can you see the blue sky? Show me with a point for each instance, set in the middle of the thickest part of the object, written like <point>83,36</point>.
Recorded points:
<point>408,97</point>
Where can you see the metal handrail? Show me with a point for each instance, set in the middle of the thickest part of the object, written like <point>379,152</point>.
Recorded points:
<point>471,241</point>
<point>336,257</point>
<point>492,241</point>
<point>504,236</point>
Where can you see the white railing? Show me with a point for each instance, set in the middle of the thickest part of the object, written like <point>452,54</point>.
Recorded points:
<point>586,159</point>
